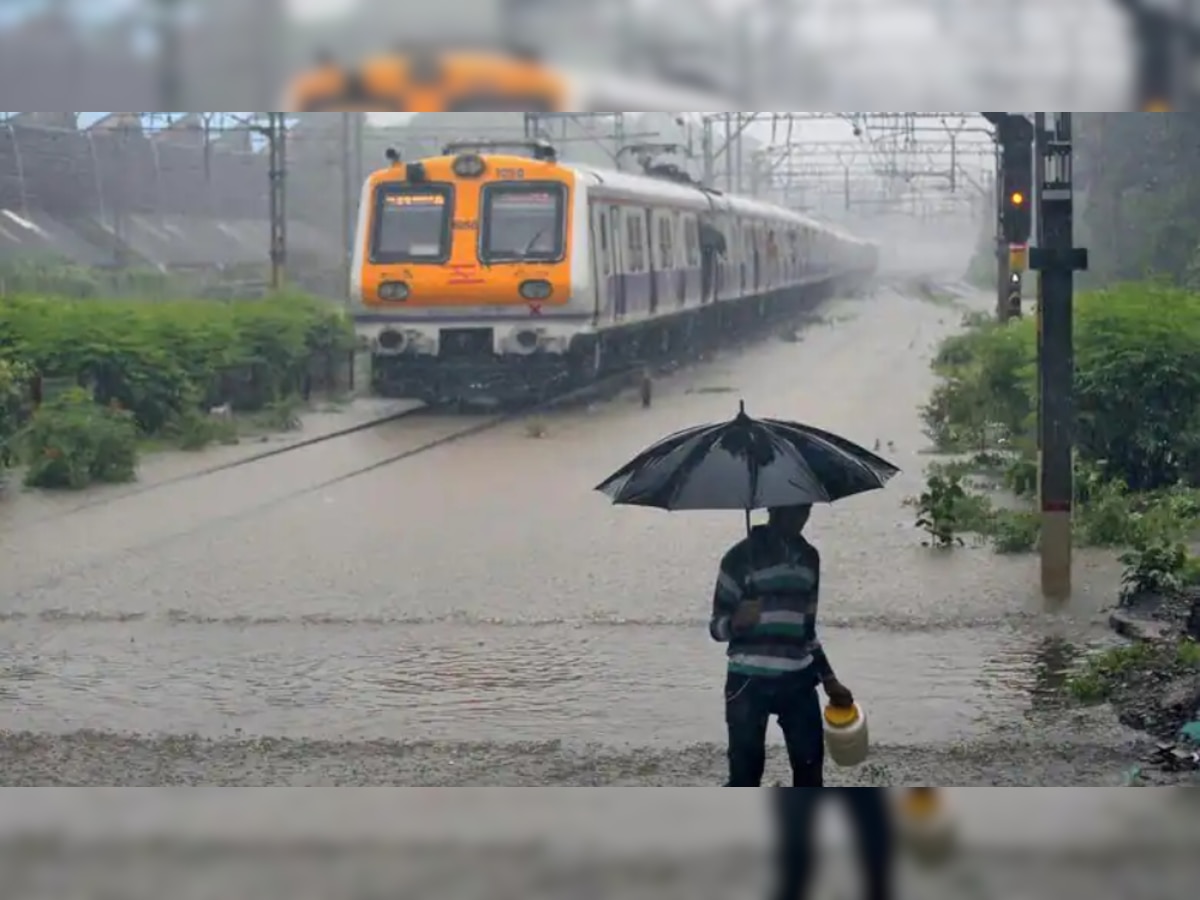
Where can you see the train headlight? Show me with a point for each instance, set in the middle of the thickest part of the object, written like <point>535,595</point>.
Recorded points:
<point>393,290</point>
<point>536,290</point>
<point>469,165</point>
<point>528,340</point>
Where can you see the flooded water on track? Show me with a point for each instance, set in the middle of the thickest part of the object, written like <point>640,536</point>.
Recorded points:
<point>482,591</point>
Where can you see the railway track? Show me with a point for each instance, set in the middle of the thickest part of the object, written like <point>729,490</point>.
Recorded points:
<point>303,444</point>
<point>486,424</point>
<point>219,519</point>
<point>308,443</point>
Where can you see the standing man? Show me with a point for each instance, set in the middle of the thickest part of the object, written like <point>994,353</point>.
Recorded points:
<point>765,609</point>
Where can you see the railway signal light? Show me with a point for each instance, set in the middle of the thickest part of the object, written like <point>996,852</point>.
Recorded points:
<point>1015,133</point>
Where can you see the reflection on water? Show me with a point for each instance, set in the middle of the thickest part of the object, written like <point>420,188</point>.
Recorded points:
<point>655,684</point>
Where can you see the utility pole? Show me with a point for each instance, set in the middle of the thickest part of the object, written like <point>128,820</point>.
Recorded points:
<point>1056,260</point>
<point>276,134</point>
<point>170,79</point>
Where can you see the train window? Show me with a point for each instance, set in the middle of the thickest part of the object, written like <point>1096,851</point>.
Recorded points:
<point>615,215</point>
<point>524,221</point>
<point>637,246</point>
<point>666,243</point>
<point>691,240</point>
<point>412,224</point>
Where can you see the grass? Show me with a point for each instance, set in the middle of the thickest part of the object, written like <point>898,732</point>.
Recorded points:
<point>1103,674</point>
<point>198,430</point>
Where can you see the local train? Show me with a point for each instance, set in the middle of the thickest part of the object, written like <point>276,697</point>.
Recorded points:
<point>500,274</point>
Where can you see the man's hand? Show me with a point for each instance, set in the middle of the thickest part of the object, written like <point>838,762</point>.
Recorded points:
<point>839,695</point>
<point>746,616</point>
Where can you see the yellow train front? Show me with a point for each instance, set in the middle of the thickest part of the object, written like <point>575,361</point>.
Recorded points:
<point>463,275</point>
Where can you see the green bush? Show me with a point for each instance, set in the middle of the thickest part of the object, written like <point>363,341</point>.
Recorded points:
<point>15,378</point>
<point>946,510</point>
<point>195,428</point>
<point>1153,566</point>
<point>1015,531</point>
<point>984,396</point>
<point>72,441</point>
<point>1104,672</point>
<point>156,359</point>
<point>1137,385</point>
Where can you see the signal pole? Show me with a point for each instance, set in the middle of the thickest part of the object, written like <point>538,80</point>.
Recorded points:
<point>1014,177</point>
<point>1056,259</point>
<point>1002,270</point>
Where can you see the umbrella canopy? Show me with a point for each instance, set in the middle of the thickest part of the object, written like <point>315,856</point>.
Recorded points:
<point>747,464</point>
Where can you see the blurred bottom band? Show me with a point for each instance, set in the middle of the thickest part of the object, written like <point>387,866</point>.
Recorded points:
<point>870,817</point>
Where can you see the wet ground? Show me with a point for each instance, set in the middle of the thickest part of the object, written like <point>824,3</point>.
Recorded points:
<point>475,614</point>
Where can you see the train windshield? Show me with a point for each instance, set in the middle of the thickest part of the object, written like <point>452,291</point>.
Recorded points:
<point>412,224</point>
<point>523,222</point>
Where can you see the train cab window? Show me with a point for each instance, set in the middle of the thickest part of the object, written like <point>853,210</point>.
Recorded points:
<point>524,221</point>
<point>412,223</point>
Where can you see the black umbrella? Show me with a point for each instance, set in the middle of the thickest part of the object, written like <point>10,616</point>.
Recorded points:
<point>747,464</point>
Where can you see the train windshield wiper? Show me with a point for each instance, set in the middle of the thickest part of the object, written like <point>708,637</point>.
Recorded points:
<point>525,254</point>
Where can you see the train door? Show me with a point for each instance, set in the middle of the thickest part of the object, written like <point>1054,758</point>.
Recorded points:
<point>733,260</point>
<point>756,260</point>
<point>602,267</point>
<point>620,263</point>
<point>652,244</point>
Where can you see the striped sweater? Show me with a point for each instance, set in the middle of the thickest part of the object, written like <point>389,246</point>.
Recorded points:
<point>784,573</point>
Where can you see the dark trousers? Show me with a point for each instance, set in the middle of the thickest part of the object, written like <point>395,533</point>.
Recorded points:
<point>795,817</point>
<point>750,702</point>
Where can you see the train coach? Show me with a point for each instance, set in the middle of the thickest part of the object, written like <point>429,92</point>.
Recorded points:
<point>499,274</point>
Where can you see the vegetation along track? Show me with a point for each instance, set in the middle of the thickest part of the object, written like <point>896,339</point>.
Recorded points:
<point>606,386</point>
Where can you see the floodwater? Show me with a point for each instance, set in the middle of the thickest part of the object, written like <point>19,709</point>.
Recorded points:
<point>477,614</point>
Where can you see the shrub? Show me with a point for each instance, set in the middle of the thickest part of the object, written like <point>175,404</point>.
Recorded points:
<point>1104,672</point>
<point>986,390</point>
<point>1190,576</point>
<point>1153,566</point>
<point>195,428</point>
<point>1137,357</point>
<point>15,377</point>
<point>71,441</point>
<point>946,509</point>
<point>157,358</point>
<point>1015,531</point>
<point>282,414</point>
